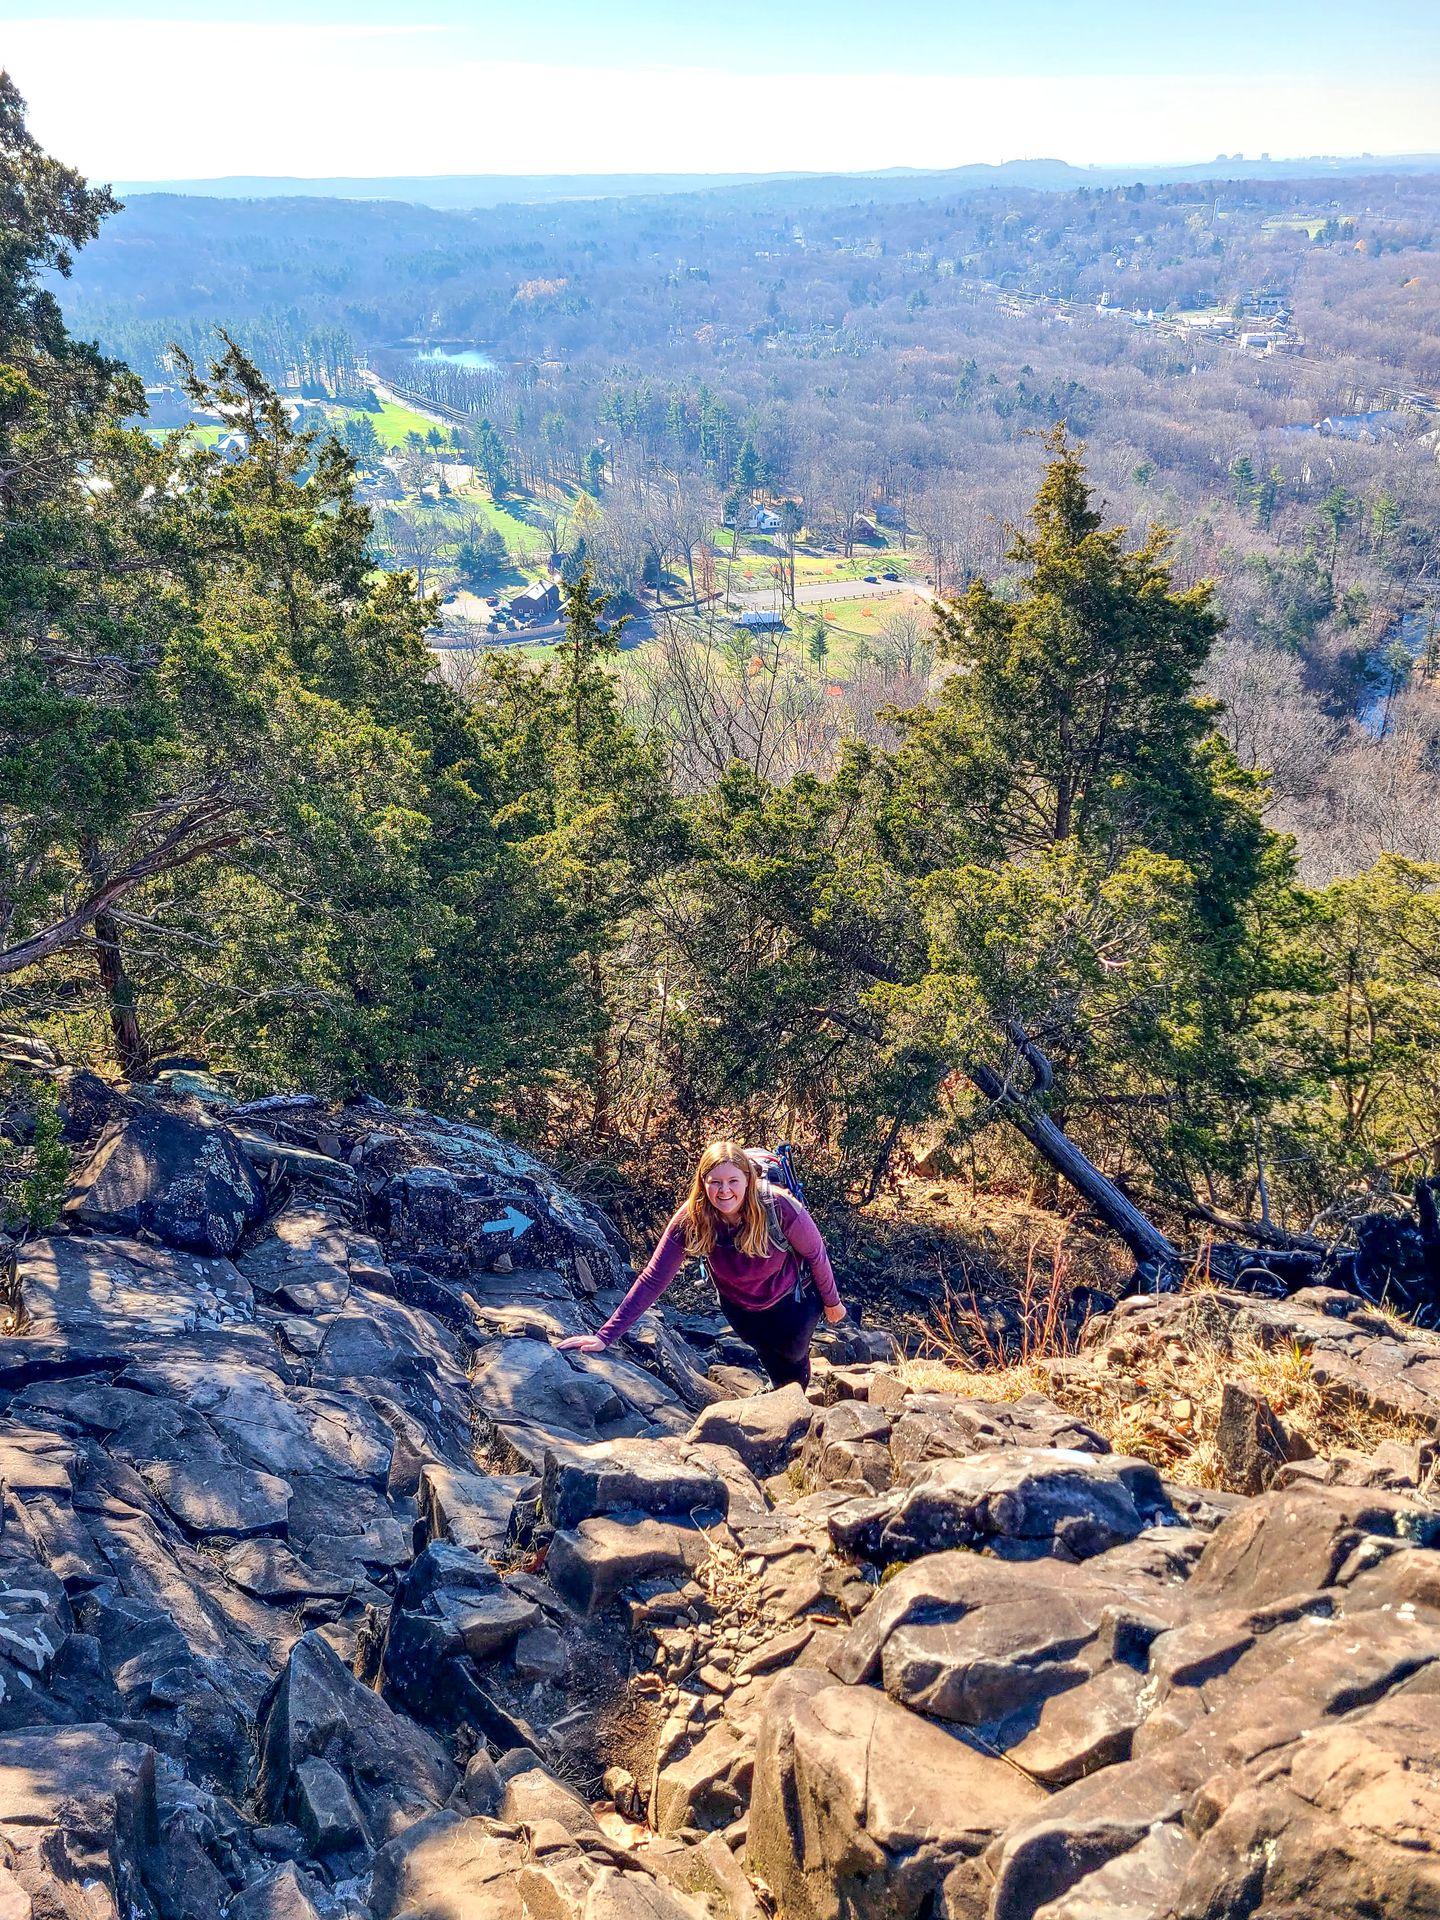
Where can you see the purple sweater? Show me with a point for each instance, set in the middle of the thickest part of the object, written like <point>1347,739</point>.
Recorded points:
<point>740,1279</point>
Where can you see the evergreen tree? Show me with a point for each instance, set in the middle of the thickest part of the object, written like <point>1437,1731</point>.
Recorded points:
<point>1059,852</point>
<point>602,825</point>
<point>239,809</point>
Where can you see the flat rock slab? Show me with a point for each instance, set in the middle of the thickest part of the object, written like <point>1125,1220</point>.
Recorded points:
<point>215,1497</point>
<point>944,1426</point>
<point>115,1294</point>
<point>765,1430</point>
<point>1019,1502</point>
<point>301,1164</point>
<point>183,1179</point>
<point>526,1381</point>
<point>304,1246</point>
<point>268,1569</point>
<point>592,1564</point>
<point>472,1510</point>
<point>628,1476</point>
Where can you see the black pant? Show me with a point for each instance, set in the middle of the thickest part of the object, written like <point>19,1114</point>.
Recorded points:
<point>780,1334</point>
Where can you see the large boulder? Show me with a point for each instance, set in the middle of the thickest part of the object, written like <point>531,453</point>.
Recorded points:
<point>1019,1502</point>
<point>1344,1822</point>
<point>73,1804</point>
<point>848,1446</point>
<point>524,1383</point>
<point>391,1770</point>
<point>860,1807</point>
<point>451,1605</point>
<point>1049,1670</point>
<point>1299,1539</point>
<point>592,1564</point>
<point>1068,1839</point>
<point>281,1894</point>
<point>635,1476</point>
<point>765,1430</point>
<point>472,1510</point>
<point>180,1177</point>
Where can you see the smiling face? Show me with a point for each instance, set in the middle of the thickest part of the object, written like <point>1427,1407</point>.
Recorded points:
<point>725,1187</point>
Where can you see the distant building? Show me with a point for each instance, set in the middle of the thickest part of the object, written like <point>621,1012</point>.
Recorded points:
<point>539,601</point>
<point>1376,424</point>
<point>232,445</point>
<point>1266,304</point>
<point>865,529</point>
<point>764,520</point>
<point>760,622</point>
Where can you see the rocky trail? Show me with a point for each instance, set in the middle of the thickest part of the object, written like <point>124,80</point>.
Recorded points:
<point>329,1588</point>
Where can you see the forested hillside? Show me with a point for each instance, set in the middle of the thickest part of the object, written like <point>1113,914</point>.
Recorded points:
<point>244,818</point>
<point>1255,363</point>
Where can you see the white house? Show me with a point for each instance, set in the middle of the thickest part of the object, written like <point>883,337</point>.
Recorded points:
<point>764,520</point>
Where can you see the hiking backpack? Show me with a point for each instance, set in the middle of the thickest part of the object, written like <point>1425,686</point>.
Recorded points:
<point>776,1169</point>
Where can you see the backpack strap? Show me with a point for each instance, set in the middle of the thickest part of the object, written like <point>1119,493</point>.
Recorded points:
<point>770,1201</point>
<point>769,1197</point>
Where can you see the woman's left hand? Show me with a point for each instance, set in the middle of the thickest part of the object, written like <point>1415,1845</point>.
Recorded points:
<point>834,1315</point>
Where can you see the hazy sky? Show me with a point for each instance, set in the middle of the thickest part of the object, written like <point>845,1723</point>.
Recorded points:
<point>437,86</point>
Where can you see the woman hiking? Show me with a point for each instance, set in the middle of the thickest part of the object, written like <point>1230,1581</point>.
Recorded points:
<point>773,1294</point>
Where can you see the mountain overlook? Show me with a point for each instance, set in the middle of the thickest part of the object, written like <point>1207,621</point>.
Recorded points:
<point>865,740</point>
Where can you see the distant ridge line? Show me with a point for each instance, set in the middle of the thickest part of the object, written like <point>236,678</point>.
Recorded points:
<point>461,192</point>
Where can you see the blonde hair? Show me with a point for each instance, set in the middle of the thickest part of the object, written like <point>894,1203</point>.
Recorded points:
<point>703,1223</point>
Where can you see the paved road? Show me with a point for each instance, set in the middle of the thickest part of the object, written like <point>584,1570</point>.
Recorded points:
<point>817,592</point>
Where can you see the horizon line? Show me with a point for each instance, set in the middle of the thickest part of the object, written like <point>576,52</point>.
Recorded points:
<point>805,173</point>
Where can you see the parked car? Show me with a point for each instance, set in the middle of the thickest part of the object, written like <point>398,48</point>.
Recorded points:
<point>889,576</point>
<point>872,579</point>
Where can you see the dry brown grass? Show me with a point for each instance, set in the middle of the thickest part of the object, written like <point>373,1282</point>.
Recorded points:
<point>960,1332</point>
<point>1164,1405</point>
<point>730,1581</point>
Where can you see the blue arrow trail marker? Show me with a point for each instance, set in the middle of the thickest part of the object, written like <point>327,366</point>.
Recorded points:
<point>512,1221</point>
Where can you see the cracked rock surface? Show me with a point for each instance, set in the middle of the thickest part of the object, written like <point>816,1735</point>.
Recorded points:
<point>329,1590</point>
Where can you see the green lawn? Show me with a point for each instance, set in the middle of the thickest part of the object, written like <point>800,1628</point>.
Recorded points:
<point>1295,220</point>
<point>392,423</point>
<point>754,565</point>
<point>849,622</point>
<point>203,433</point>
<point>515,519</point>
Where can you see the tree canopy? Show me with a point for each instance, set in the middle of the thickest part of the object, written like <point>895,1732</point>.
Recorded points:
<point>242,811</point>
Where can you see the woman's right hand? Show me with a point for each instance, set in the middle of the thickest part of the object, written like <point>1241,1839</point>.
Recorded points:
<point>581,1343</point>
